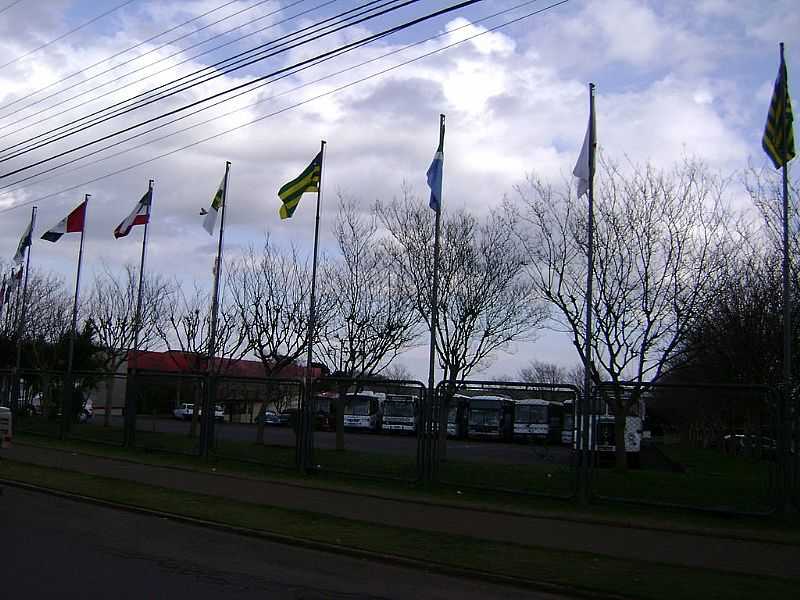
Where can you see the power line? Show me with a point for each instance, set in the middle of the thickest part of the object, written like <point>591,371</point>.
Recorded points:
<point>108,58</point>
<point>229,113</point>
<point>283,110</point>
<point>236,63</point>
<point>70,32</point>
<point>164,59</point>
<point>12,5</point>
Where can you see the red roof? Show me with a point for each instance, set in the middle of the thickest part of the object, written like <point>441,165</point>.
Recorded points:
<point>174,361</point>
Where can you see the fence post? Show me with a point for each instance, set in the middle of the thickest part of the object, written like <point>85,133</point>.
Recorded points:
<point>207,420</point>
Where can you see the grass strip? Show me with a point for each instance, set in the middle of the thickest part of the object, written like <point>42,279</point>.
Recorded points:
<point>764,528</point>
<point>651,581</point>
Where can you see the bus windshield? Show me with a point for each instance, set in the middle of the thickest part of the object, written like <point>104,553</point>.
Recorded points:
<point>394,408</point>
<point>530,413</point>
<point>358,406</point>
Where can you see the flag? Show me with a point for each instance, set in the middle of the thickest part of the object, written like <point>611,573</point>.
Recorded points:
<point>434,174</point>
<point>24,241</point>
<point>308,181</point>
<point>778,135</point>
<point>139,216</point>
<point>210,215</point>
<point>72,223</point>
<point>585,165</point>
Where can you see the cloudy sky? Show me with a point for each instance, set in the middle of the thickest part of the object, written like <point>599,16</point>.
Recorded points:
<point>684,77</point>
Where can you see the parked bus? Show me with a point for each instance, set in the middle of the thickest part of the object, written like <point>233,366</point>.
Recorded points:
<point>567,422</point>
<point>457,416</point>
<point>399,414</point>
<point>532,419</point>
<point>362,410</point>
<point>325,411</point>
<point>490,417</point>
<point>603,427</point>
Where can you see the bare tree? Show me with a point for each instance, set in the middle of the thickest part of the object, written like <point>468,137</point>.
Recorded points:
<point>272,289</point>
<point>539,371</point>
<point>111,310</point>
<point>187,328</point>
<point>373,319</point>
<point>660,238</point>
<point>398,372</point>
<point>484,303</point>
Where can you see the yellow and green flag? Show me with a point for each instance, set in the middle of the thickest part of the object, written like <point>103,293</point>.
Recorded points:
<point>778,140</point>
<point>307,181</point>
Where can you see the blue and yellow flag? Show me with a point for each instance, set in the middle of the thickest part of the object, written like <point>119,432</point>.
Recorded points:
<point>778,140</point>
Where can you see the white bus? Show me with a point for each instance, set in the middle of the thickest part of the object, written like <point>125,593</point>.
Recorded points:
<point>399,414</point>
<point>531,419</point>
<point>603,428</point>
<point>362,410</point>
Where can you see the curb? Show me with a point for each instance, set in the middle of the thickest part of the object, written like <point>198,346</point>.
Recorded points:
<point>385,558</point>
<point>705,533</point>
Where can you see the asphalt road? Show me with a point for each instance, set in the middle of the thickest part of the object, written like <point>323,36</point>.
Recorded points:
<point>56,548</point>
<point>395,444</point>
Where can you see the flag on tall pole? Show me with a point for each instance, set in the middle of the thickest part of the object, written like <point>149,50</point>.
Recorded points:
<point>209,222</point>
<point>140,215</point>
<point>217,202</point>
<point>435,175</point>
<point>24,243</point>
<point>584,172</point>
<point>25,240</point>
<point>778,143</point>
<point>778,138</point>
<point>308,181</point>
<point>72,223</point>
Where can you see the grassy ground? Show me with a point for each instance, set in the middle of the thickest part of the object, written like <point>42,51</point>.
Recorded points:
<point>762,527</point>
<point>638,579</point>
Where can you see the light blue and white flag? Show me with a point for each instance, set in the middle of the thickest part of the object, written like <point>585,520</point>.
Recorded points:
<point>435,178</point>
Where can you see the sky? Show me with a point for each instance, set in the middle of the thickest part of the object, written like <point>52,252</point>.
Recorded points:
<point>673,79</point>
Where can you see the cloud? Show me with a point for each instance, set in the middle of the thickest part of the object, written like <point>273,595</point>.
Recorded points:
<point>515,101</point>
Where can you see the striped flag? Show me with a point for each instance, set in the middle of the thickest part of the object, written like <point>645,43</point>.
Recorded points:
<point>435,174</point>
<point>139,216</point>
<point>307,181</point>
<point>25,241</point>
<point>72,223</point>
<point>210,215</point>
<point>778,140</point>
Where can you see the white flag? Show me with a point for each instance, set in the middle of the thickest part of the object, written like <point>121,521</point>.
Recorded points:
<point>582,170</point>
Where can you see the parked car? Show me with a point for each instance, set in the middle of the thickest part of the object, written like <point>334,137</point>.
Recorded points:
<point>184,411</point>
<point>269,417</point>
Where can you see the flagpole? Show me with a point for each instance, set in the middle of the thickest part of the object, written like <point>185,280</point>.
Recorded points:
<point>137,326</point>
<point>67,406</point>
<point>587,375</point>
<point>435,299</point>
<point>305,415</point>
<point>208,417</point>
<point>23,311</point>
<point>787,300</point>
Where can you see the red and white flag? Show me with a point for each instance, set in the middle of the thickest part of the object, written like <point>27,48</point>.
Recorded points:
<point>139,216</point>
<point>72,223</point>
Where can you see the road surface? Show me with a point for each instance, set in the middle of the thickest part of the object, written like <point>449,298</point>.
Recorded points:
<point>57,548</point>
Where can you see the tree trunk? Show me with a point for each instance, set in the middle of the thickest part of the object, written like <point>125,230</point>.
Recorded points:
<point>340,421</point>
<point>109,401</point>
<point>621,457</point>
<point>262,413</point>
<point>195,411</point>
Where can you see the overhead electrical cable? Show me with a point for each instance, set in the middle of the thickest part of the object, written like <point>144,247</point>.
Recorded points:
<point>281,111</point>
<point>113,56</point>
<point>129,61</point>
<point>64,35</point>
<point>12,5</point>
<point>232,112</point>
<point>141,100</point>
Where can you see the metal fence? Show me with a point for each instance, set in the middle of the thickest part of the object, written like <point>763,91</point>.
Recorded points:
<point>703,447</point>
